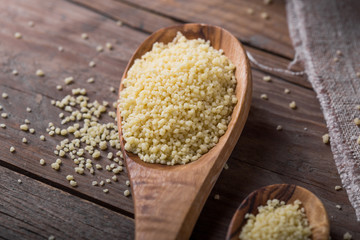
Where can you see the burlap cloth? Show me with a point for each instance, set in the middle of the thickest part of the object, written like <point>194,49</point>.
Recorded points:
<point>320,28</point>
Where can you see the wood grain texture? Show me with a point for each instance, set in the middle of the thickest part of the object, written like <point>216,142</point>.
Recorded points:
<point>271,34</point>
<point>149,21</point>
<point>129,15</point>
<point>33,210</point>
<point>314,209</point>
<point>261,157</point>
<point>168,199</point>
<point>37,49</point>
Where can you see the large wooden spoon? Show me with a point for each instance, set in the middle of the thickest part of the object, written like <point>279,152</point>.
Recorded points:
<point>168,199</point>
<point>314,209</point>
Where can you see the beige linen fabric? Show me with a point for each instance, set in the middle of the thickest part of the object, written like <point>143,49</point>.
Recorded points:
<point>319,29</point>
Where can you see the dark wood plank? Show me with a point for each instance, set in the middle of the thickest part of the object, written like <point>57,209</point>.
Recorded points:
<point>271,34</point>
<point>33,210</point>
<point>149,22</point>
<point>129,15</point>
<point>62,25</point>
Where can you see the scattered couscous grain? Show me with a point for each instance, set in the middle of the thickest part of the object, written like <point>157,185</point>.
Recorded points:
<point>55,166</point>
<point>216,196</point>
<point>267,78</point>
<point>96,154</point>
<point>51,237</point>
<point>127,183</point>
<point>84,36</point>
<point>339,53</point>
<point>119,23</point>
<point>112,89</point>
<point>19,181</point>
<point>4,95</point>
<point>109,46</point>
<point>12,149</point>
<point>28,109</point>
<point>73,183</point>
<point>226,166</point>
<point>335,59</point>
<point>15,72</point>
<point>103,145</point>
<point>60,48</point>
<point>292,105</point>
<point>106,190</point>
<point>338,206</point>
<point>338,188</point>
<point>31,130</point>
<point>42,138</point>
<point>286,91</point>
<point>347,236</point>
<point>42,162</point>
<point>69,177</point>
<point>24,127</point>
<point>264,15</point>
<point>279,128</point>
<point>250,11</point>
<point>40,73</point>
<point>358,74</point>
<point>126,193</point>
<point>326,138</point>
<point>4,115</point>
<point>68,80</point>
<point>99,48</point>
<point>31,24</point>
<point>3,125</point>
<point>24,140</point>
<point>90,80</point>
<point>18,35</point>
<point>59,87</point>
<point>264,96</point>
<point>94,183</point>
<point>358,140</point>
<point>92,64</point>
<point>277,220</point>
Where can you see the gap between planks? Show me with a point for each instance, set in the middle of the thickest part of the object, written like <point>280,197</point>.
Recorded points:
<point>154,22</point>
<point>64,188</point>
<point>176,20</point>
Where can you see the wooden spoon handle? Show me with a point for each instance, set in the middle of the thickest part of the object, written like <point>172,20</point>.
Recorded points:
<point>168,203</point>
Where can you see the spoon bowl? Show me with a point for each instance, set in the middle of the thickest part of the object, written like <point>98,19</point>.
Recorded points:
<point>168,199</point>
<point>314,209</point>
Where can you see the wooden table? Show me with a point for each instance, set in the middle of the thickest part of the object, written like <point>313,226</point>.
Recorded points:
<point>44,203</point>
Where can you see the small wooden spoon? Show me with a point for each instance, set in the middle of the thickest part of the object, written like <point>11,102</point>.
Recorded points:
<point>168,199</point>
<point>314,209</point>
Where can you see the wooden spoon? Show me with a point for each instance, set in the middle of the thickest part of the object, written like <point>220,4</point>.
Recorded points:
<point>314,209</point>
<point>168,199</point>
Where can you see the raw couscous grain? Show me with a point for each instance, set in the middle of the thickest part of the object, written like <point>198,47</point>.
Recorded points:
<point>177,101</point>
<point>277,220</point>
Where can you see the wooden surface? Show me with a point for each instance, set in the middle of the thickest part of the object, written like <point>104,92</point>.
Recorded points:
<point>261,157</point>
<point>170,198</point>
<point>314,209</point>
